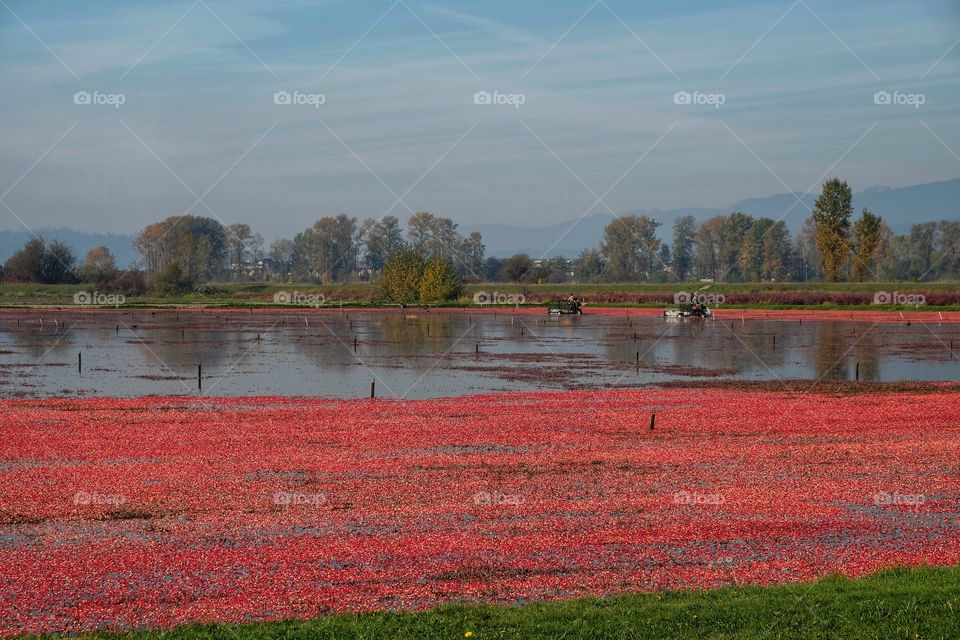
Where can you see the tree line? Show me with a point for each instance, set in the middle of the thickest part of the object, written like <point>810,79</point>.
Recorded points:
<point>832,246</point>
<point>335,249</point>
<point>180,252</point>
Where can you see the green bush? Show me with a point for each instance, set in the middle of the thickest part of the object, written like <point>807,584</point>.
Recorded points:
<point>439,281</point>
<point>173,280</point>
<point>400,281</point>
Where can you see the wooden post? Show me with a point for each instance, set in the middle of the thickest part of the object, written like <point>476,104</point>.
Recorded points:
<point>478,348</point>
<point>653,420</point>
<point>354,344</point>
<point>199,376</point>
<point>638,357</point>
<point>373,388</point>
<point>79,362</point>
<point>856,374</point>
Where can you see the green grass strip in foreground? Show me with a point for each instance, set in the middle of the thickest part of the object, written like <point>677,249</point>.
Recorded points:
<point>912,604</point>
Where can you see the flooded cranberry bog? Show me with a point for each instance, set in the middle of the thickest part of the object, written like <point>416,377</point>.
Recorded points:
<point>430,353</point>
<point>508,457</point>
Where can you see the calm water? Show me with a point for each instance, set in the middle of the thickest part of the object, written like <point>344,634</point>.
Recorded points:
<point>421,354</point>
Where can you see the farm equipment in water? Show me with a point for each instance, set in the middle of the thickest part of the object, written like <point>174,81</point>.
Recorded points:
<point>689,310</point>
<point>566,307</point>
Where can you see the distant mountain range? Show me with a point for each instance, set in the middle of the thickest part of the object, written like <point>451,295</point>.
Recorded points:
<point>900,207</point>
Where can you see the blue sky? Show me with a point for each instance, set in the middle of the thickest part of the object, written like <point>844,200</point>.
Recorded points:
<point>598,129</point>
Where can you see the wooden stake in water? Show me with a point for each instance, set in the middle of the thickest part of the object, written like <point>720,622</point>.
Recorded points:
<point>638,357</point>
<point>80,362</point>
<point>199,376</point>
<point>856,372</point>
<point>478,348</point>
<point>373,388</point>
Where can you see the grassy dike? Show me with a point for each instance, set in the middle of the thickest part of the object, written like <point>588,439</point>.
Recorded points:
<point>245,295</point>
<point>915,604</point>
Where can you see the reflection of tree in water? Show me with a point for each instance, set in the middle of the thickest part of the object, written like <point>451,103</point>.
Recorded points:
<point>758,345</point>
<point>30,341</point>
<point>212,347</point>
<point>724,345</point>
<point>421,338</point>
<point>830,358</point>
<point>867,352</point>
